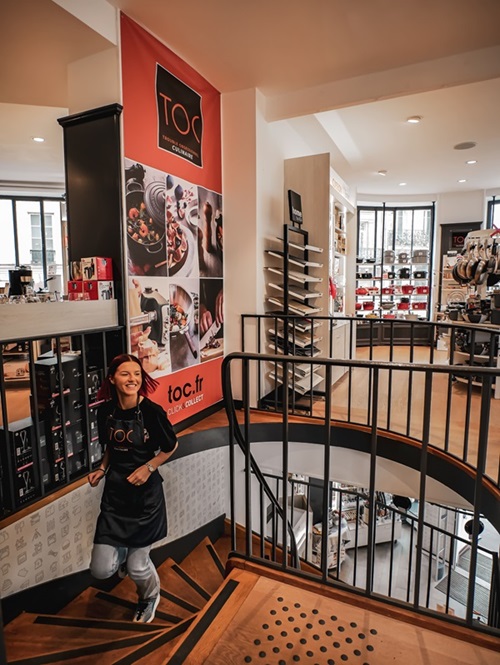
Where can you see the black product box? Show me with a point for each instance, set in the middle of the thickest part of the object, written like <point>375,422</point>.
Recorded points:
<point>25,485</point>
<point>96,452</point>
<point>52,465</point>
<point>77,463</point>
<point>94,380</point>
<point>20,442</point>
<point>47,375</point>
<point>75,439</point>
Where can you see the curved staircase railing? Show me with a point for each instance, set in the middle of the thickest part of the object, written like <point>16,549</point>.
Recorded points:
<point>241,372</point>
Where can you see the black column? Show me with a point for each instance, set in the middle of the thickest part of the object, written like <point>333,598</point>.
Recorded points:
<point>93,166</point>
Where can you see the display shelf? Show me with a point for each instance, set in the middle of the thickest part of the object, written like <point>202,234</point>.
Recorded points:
<point>302,278</point>
<point>296,291</point>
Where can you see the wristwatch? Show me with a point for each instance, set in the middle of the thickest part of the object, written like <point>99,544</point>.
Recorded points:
<point>150,467</point>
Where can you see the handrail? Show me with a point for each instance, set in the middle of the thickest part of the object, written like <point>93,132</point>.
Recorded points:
<point>236,434</point>
<point>251,364</point>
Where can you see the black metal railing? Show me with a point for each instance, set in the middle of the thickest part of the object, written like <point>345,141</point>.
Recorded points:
<point>48,429</point>
<point>281,456</point>
<point>454,422</point>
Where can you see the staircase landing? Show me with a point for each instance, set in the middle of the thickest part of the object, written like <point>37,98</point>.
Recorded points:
<point>257,619</point>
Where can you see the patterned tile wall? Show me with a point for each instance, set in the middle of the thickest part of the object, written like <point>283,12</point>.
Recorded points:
<point>57,539</point>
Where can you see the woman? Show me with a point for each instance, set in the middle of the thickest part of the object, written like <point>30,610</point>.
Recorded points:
<point>138,438</point>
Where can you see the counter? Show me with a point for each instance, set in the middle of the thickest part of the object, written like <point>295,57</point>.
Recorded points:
<point>29,320</point>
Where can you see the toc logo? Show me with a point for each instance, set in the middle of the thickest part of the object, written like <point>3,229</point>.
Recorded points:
<point>180,122</point>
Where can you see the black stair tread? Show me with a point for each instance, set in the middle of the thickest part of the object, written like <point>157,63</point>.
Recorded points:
<point>32,635</point>
<point>201,566</point>
<point>97,604</point>
<point>180,585</point>
<point>157,650</point>
<point>171,609</point>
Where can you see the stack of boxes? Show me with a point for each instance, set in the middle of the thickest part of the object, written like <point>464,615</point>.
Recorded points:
<point>92,279</point>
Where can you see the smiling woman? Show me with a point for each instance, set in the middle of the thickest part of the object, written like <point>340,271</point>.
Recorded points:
<point>138,438</point>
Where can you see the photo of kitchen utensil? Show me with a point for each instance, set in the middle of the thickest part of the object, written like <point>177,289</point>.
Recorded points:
<point>181,319</point>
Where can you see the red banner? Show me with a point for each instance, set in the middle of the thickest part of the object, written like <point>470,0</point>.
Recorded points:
<point>174,222</point>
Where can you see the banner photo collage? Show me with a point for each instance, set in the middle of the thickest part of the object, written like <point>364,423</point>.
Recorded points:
<point>175,258</point>
<point>173,222</point>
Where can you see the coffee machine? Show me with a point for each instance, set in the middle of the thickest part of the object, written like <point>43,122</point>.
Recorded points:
<point>20,281</point>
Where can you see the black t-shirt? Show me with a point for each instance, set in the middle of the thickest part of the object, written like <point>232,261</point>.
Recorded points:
<point>158,430</point>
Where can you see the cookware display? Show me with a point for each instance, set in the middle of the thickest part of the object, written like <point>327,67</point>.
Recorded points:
<point>407,288</point>
<point>387,290</point>
<point>422,290</point>
<point>403,257</point>
<point>420,274</point>
<point>404,273</point>
<point>479,259</point>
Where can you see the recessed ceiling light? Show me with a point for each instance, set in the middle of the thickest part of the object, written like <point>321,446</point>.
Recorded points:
<point>402,184</point>
<point>471,161</point>
<point>462,180</point>
<point>466,145</point>
<point>37,139</point>
<point>382,172</point>
<point>414,119</point>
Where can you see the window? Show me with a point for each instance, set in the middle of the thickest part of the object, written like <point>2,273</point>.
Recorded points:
<point>493,219</point>
<point>32,236</point>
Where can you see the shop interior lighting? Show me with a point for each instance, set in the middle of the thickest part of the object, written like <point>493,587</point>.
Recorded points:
<point>382,172</point>
<point>465,145</point>
<point>414,119</point>
<point>471,161</point>
<point>37,139</point>
<point>402,184</point>
<point>462,180</point>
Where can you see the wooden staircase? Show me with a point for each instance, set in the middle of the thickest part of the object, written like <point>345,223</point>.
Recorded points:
<point>250,614</point>
<point>97,628</point>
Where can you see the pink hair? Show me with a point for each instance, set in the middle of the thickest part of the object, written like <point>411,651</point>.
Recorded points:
<point>107,390</point>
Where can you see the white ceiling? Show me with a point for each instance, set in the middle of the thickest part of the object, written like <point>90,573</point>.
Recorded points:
<point>374,61</point>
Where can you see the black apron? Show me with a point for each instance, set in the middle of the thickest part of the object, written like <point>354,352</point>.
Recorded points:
<point>131,515</point>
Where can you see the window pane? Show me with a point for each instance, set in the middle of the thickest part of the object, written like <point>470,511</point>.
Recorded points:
<point>28,212</point>
<point>53,237</point>
<point>7,247</point>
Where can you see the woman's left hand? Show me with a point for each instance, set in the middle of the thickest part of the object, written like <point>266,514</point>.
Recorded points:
<point>139,476</point>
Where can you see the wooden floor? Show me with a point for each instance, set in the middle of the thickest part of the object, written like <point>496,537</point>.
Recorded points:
<point>263,620</point>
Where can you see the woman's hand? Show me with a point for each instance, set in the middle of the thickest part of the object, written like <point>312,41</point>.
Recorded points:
<point>139,476</point>
<point>96,476</point>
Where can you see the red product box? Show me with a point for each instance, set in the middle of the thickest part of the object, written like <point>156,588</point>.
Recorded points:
<point>97,268</point>
<point>98,290</point>
<point>74,287</point>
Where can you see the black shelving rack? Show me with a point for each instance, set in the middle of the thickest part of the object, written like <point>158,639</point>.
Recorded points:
<point>294,333</point>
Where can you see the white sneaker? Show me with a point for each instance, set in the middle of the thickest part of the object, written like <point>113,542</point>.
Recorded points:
<point>122,571</point>
<point>145,610</point>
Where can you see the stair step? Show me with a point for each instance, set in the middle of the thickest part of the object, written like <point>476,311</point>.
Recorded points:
<point>203,564</point>
<point>55,638</point>
<point>157,650</point>
<point>177,581</point>
<point>176,601</point>
<point>96,604</point>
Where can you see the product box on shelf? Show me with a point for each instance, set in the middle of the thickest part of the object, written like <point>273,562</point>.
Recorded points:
<point>75,290</point>
<point>20,443</point>
<point>76,271</point>
<point>98,290</point>
<point>97,268</point>
<point>47,375</point>
<point>94,380</point>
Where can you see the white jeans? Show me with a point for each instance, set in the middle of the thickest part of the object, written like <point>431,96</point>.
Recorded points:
<point>106,559</point>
